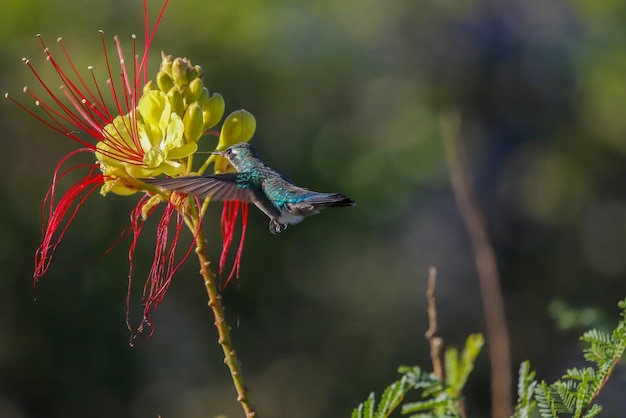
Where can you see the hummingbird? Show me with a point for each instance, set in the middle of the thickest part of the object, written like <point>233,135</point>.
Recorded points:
<point>255,182</point>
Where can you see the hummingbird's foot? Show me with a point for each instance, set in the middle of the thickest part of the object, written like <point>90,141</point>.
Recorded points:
<point>276,227</point>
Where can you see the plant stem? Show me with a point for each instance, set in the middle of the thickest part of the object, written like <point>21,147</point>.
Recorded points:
<point>433,340</point>
<point>223,329</point>
<point>486,266</point>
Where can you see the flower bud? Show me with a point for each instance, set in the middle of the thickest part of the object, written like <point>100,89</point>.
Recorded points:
<point>204,97</point>
<point>239,126</point>
<point>197,72</point>
<point>180,70</point>
<point>213,110</point>
<point>176,101</point>
<point>193,122</point>
<point>166,63</point>
<point>164,81</point>
<point>195,90</point>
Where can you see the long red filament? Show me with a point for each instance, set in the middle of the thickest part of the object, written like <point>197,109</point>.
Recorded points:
<point>58,217</point>
<point>227,225</point>
<point>164,264</point>
<point>81,107</point>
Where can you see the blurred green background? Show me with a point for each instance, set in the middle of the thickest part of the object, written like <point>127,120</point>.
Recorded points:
<point>347,96</point>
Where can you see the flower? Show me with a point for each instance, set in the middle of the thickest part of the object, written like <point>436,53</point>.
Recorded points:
<point>153,129</point>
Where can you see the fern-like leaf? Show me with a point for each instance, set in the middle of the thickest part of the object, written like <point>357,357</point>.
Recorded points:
<point>472,348</point>
<point>368,407</point>
<point>545,401</point>
<point>593,411</point>
<point>391,398</point>
<point>451,367</point>
<point>575,392</point>
<point>426,405</point>
<point>583,395</point>
<point>525,391</point>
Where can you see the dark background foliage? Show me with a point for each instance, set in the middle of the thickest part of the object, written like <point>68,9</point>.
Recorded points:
<point>347,97</point>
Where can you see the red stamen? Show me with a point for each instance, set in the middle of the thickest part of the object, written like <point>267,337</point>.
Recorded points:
<point>244,225</point>
<point>45,122</point>
<point>227,226</point>
<point>81,105</point>
<point>127,90</point>
<point>71,117</point>
<point>94,100</point>
<point>58,220</point>
<point>148,41</point>
<point>80,99</point>
<point>137,226</point>
<point>164,264</point>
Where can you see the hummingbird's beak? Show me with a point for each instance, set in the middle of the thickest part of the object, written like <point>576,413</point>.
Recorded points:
<point>220,153</point>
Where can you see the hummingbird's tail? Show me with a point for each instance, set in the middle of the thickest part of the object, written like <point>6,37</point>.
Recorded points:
<point>331,200</point>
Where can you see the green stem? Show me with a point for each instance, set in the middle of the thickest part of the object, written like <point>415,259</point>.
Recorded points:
<point>223,330</point>
<point>206,164</point>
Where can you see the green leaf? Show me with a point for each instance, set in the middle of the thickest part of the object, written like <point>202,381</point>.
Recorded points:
<point>593,411</point>
<point>525,389</point>
<point>544,401</point>
<point>472,348</point>
<point>575,392</point>
<point>424,405</point>
<point>451,366</point>
<point>392,396</point>
<point>358,412</point>
<point>582,395</point>
<point>368,407</point>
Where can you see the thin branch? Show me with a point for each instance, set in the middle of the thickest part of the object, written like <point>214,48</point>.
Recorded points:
<point>486,266</point>
<point>601,385</point>
<point>434,341</point>
<point>223,329</point>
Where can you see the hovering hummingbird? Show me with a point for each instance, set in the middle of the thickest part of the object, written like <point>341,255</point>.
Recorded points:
<point>281,200</point>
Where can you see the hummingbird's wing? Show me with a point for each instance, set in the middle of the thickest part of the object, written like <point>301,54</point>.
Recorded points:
<point>227,186</point>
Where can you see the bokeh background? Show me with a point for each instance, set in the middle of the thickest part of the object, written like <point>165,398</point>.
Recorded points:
<point>347,96</point>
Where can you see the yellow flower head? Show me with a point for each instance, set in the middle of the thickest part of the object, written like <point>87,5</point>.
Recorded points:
<point>162,131</point>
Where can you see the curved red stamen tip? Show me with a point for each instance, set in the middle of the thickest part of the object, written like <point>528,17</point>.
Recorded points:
<point>57,216</point>
<point>164,264</point>
<point>228,224</point>
<point>81,107</point>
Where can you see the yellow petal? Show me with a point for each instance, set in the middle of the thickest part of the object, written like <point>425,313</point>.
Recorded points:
<point>154,157</point>
<point>155,109</point>
<point>182,152</point>
<point>172,168</point>
<point>174,136</point>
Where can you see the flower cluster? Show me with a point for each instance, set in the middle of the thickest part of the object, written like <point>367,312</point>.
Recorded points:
<point>163,131</point>
<point>155,128</point>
